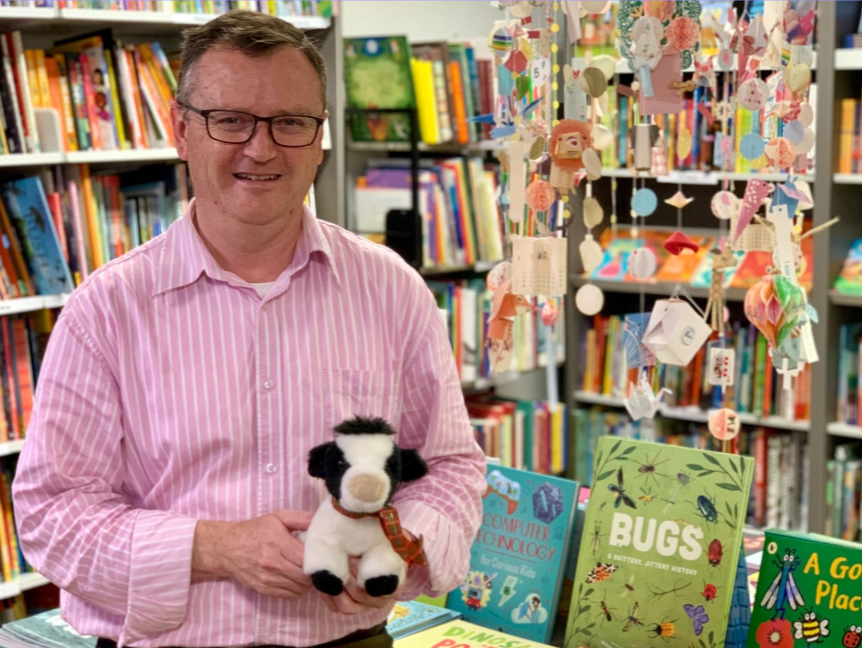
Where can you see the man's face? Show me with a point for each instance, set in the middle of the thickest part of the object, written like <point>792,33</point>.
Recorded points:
<point>259,181</point>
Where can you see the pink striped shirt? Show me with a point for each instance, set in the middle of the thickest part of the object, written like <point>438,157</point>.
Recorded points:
<point>171,392</point>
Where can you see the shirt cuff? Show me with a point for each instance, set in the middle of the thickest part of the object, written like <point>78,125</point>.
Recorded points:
<point>447,557</point>
<point>161,571</point>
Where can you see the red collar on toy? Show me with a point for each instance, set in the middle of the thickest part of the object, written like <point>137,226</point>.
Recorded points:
<point>411,552</point>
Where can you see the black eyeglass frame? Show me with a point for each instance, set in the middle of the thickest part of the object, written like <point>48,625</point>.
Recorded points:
<point>206,113</point>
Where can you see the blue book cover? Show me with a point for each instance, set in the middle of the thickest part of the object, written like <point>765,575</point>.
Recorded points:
<point>28,209</point>
<point>410,617</point>
<point>518,559</point>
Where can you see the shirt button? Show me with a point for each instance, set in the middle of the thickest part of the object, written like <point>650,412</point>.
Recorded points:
<point>270,468</point>
<point>269,384</point>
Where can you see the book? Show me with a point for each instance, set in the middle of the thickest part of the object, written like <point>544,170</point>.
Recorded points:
<point>662,553</point>
<point>45,630</point>
<point>28,209</point>
<point>461,634</point>
<point>518,559</point>
<point>377,75</point>
<point>410,617</point>
<point>808,590</point>
<point>849,282</point>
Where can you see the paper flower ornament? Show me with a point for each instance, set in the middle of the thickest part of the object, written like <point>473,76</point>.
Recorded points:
<point>540,195</point>
<point>780,152</point>
<point>682,33</point>
<point>753,94</point>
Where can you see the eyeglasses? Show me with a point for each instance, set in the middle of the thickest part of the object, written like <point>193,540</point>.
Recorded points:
<point>235,127</point>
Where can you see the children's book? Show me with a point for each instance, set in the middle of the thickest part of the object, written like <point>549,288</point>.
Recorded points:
<point>29,212</point>
<point>45,630</point>
<point>849,282</point>
<point>660,555</point>
<point>809,593</point>
<point>410,617</point>
<point>461,634</point>
<point>518,559</point>
<point>377,75</point>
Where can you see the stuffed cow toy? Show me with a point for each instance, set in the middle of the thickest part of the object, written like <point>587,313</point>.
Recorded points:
<point>362,468</point>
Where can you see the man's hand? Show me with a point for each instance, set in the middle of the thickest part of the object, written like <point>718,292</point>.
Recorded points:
<point>260,553</point>
<point>355,600</point>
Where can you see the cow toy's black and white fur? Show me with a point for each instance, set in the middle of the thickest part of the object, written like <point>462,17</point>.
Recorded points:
<point>362,468</point>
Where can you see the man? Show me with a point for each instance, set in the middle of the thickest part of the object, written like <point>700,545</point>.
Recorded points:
<point>165,469</point>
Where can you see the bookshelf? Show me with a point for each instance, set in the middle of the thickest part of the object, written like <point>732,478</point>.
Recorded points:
<point>833,193</point>
<point>837,195</point>
<point>40,27</point>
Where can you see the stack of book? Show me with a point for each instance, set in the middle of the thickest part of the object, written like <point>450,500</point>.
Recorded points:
<point>528,435</point>
<point>844,492</point>
<point>272,7</point>
<point>105,96</point>
<point>461,220</point>
<point>12,562</point>
<point>448,84</point>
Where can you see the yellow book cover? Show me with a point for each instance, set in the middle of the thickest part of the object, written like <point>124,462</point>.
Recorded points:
<point>42,77</point>
<point>119,110</point>
<point>460,634</point>
<point>91,216</point>
<point>59,67</point>
<point>33,79</point>
<point>423,84</point>
<point>5,545</point>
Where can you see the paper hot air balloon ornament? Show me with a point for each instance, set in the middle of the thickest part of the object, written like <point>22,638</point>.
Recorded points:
<point>569,140</point>
<point>774,305</point>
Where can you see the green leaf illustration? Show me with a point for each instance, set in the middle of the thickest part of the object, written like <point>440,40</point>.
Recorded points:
<point>605,475</point>
<point>733,467</point>
<point>712,460</point>
<point>586,608</point>
<point>695,467</point>
<point>712,637</point>
<point>589,633</point>
<point>730,487</point>
<point>729,510</point>
<point>589,591</point>
<point>616,445</point>
<point>628,451</point>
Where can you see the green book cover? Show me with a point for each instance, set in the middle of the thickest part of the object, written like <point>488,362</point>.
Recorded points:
<point>809,592</point>
<point>661,545</point>
<point>377,75</point>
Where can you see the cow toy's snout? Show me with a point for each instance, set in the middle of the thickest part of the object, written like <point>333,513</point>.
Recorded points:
<point>367,488</point>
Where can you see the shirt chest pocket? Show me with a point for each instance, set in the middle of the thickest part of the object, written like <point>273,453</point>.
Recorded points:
<point>357,392</point>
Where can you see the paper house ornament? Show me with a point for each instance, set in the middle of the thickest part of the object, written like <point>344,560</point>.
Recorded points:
<point>675,332</point>
<point>539,266</point>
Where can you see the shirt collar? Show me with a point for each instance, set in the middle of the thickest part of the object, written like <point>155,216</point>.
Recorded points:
<point>185,256</point>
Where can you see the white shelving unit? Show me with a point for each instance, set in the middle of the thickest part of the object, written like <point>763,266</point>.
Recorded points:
<point>706,177</point>
<point>844,430</point>
<point>848,59</point>
<point>847,178</point>
<point>30,304</point>
<point>11,447</point>
<point>697,415</point>
<point>22,584</point>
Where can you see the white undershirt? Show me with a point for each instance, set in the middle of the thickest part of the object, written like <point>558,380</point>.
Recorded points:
<point>263,288</point>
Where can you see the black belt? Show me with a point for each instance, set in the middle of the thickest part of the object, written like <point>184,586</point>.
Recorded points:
<point>375,637</point>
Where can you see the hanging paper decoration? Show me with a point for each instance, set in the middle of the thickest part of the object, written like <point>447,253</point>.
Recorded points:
<point>724,424</point>
<point>540,195</point>
<point>678,200</point>
<point>641,263</point>
<point>641,401</point>
<point>675,332</point>
<point>725,205</point>
<point>589,299</point>
<point>644,202</point>
<point>677,242</point>
<point>568,141</point>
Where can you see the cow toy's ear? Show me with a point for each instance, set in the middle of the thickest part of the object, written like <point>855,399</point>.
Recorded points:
<point>317,460</point>
<point>413,466</point>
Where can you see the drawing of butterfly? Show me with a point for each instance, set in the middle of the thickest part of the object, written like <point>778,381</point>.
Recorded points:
<point>698,616</point>
<point>601,572</point>
<point>618,490</point>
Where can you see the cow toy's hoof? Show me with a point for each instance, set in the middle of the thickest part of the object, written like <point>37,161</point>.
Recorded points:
<point>381,585</point>
<point>327,582</point>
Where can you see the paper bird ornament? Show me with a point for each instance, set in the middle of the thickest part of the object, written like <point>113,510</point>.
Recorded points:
<point>642,402</point>
<point>678,200</point>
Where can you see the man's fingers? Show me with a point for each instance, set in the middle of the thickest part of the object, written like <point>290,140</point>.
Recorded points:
<point>294,520</point>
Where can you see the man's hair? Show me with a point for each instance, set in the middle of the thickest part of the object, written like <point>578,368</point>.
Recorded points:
<point>252,33</point>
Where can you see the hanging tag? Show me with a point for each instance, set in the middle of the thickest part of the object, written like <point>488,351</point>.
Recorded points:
<point>517,179</point>
<point>645,79</point>
<point>722,366</point>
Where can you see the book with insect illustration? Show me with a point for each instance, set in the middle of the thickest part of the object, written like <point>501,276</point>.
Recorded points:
<point>809,593</point>
<point>518,559</point>
<point>660,555</point>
